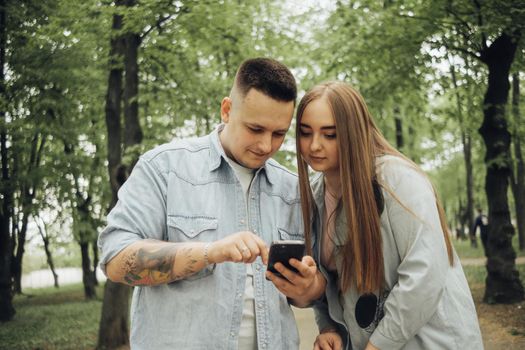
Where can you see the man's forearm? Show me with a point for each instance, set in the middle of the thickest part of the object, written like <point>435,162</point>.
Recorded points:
<point>151,262</point>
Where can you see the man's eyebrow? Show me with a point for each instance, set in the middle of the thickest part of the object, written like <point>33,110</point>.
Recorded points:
<point>255,125</point>
<point>327,127</point>
<point>258,126</point>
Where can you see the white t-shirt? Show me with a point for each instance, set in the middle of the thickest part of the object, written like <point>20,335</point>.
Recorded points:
<point>248,331</point>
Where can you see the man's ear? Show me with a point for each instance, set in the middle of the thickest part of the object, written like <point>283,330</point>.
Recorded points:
<point>226,106</point>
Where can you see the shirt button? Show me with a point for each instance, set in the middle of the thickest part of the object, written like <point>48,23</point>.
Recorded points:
<point>264,345</point>
<point>258,267</point>
<point>242,222</point>
<point>253,197</point>
<point>254,231</point>
<point>260,305</point>
<point>232,334</point>
<point>239,295</point>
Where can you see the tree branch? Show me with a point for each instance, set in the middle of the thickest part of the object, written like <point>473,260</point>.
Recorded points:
<point>157,25</point>
<point>428,19</point>
<point>456,48</point>
<point>480,24</point>
<point>463,50</point>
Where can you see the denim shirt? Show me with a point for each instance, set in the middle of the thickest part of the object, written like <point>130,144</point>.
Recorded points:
<point>186,191</point>
<point>426,303</point>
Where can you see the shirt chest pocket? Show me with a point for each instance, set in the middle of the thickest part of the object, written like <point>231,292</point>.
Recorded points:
<point>290,234</point>
<point>192,228</point>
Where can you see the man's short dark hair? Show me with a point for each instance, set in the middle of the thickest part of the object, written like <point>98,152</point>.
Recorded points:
<point>268,76</point>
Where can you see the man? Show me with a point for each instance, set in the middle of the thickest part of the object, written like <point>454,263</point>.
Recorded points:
<point>481,221</point>
<point>194,220</point>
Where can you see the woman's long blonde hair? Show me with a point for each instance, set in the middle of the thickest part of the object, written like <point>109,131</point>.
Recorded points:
<point>359,142</point>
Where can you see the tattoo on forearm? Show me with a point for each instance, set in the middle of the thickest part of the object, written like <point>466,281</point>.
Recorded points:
<point>189,268</point>
<point>147,266</point>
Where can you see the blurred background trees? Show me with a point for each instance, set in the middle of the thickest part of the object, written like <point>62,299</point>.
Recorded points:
<point>87,86</point>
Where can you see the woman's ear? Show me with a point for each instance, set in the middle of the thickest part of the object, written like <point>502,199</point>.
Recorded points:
<point>226,106</point>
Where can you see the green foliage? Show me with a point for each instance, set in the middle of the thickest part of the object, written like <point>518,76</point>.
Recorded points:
<point>187,64</point>
<point>419,61</point>
<point>399,55</point>
<point>55,89</point>
<point>57,62</point>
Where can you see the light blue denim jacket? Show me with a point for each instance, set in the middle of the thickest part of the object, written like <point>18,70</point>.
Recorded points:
<point>426,303</point>
<point>185,191</point>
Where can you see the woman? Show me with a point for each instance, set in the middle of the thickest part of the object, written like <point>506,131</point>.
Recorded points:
<point>379,235</point>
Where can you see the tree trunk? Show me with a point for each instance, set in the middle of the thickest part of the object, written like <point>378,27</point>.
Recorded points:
<point>87,274</point>
<point>116,296</point>
<point>113,106</point>
<point>502,284</point>
<point>95,261</point>
<point>132,131</point>
<point>467,156</point>
<point>399,130</point>
<point>460,221</point>
<point>518,176</point>
<point>28,192</point>
<point>7,311</point>
<point>50,262</point>
<point>113,332</point>
<point>16,264</point>
<point>49,256</point>
<point>113,329</point>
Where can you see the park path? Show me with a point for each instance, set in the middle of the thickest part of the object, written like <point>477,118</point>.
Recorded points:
<point>66,275</point>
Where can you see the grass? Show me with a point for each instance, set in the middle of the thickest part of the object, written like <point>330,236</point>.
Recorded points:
<point>48,318</point>
<point>478,274</point>
<point>465,251</point>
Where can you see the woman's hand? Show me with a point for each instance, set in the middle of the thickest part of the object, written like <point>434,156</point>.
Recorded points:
<point>328,340</point>
<point>370,346</point>
<point>303,287</point>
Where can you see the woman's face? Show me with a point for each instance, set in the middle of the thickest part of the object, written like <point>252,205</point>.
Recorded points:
<point>317,137</point>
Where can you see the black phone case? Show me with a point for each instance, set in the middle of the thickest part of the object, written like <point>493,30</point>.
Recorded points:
<point>284,251</point>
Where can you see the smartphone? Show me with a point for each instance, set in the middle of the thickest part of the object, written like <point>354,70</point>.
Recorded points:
<point>283,251</point>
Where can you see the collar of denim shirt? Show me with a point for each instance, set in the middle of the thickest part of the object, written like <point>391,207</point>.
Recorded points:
<point>217,155</point>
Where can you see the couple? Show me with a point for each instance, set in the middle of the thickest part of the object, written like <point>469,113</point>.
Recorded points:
<point>194,220</point>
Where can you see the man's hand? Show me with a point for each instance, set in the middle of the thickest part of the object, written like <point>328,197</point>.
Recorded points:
<point>242,246</point>
<point>328,340</point>
<point>303,287</point>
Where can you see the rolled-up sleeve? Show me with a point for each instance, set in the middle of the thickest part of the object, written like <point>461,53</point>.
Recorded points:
<point>422,250</point>
<point>140,212</point>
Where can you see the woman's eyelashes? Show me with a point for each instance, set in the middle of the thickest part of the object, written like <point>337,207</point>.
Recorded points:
<point>305,133</point>
<point>329,136</point>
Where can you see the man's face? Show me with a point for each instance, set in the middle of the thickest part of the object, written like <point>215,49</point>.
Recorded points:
<point>255,126</point>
